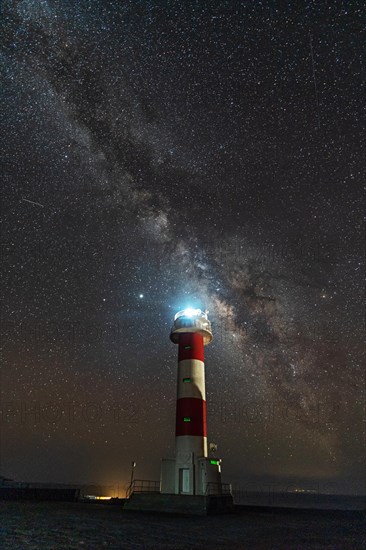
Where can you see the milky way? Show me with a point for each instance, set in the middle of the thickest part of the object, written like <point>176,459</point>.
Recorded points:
<point>160,155</point>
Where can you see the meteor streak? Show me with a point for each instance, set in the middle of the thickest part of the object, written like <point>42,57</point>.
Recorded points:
<point>32,202</point>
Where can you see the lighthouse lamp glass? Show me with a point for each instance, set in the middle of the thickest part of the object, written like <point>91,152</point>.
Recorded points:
<point>190,312</point>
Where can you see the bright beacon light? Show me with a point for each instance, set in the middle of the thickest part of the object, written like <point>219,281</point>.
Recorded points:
<point>190,312</point>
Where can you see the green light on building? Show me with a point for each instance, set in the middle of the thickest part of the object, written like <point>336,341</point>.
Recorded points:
<point>215,462</point>
<point>186,419</point>
<point>186,379</point>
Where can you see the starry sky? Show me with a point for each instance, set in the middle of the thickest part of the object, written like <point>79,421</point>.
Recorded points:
<point>165,154</point>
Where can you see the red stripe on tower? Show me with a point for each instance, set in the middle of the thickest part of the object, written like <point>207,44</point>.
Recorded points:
<point>190,346</point>
<point>191,417</point>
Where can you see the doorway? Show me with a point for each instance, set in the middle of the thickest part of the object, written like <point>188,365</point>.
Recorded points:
<point>184,481</point>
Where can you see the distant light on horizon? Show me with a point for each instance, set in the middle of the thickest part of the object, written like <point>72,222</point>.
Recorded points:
<point>95,497</point>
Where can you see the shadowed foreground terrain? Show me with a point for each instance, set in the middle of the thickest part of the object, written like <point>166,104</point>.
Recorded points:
<point>77,525</point>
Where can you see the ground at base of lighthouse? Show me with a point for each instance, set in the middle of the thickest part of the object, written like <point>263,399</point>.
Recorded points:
<point>201,505</point>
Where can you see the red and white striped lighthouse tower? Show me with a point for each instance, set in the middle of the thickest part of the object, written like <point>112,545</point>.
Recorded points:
<point>191,470</point>
<point>191,331</point>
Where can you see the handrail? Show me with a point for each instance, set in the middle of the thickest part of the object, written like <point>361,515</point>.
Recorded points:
<point>152,486</point>
<point>218,488</point>
<point>143,486</point>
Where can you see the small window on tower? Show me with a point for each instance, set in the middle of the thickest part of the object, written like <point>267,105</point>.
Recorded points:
<point>187,380</point>
<point>186,419</point>
<point>187,347</point>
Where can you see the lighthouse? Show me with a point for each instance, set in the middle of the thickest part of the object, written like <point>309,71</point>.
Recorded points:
<point>190,482</point>
<point>191,471</point>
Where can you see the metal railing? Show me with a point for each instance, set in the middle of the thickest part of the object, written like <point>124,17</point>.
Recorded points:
<point>143,486</point>
<point>218,488</point>
<point>150,486</point>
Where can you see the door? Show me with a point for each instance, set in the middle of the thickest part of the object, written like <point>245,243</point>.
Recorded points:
<point>184,480</point>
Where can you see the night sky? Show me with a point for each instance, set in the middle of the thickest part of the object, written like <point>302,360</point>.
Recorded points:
<point>165,154</point>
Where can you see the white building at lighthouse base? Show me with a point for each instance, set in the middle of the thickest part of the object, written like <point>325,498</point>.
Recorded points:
<point>190,476</point>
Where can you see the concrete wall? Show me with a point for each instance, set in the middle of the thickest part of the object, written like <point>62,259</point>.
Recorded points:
<point>167,476</point>
<point>179,504</point>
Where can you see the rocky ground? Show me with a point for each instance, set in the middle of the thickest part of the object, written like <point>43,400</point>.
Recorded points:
<point>52,525</point>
